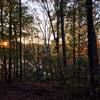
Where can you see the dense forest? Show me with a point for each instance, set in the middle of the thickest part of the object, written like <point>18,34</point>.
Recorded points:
<point>49,49</point>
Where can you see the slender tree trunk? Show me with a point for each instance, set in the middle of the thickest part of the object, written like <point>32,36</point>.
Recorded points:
<point>79,41</point>
<point>79,30</point>
<point>24,66</point>
<point>92,49</point>
<point>51,24</point>
<point>73,34</point>
<point>78,49</point>
<point>16,54</point>
<point>10,49</point>
<point>4,63</point>
<point>38,56</point>
<point>20,10</point>
<point>58,53</point>
<point>63,36</point>
<point>38,60</point>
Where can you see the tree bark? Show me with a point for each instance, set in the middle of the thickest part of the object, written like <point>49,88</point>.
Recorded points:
<point>92,49</point>
<point>63,36</point>
<point>73,34</point>
<point>20,10</point>
<point>10,49</point>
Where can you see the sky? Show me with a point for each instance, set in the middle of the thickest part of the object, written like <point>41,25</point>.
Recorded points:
<point>36,9</point>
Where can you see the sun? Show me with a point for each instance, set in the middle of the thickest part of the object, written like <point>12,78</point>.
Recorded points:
<point>5,43</point>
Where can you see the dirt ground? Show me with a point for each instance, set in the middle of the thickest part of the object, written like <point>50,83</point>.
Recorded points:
<point>30,92</point>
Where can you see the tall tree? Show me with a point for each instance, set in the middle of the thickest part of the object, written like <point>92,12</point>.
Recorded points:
<point>92,49</point>
<point>63,35</point>
<point>10,37</point>
<point>58,35</point>
<point>20,10</point>
<point>73,32</point>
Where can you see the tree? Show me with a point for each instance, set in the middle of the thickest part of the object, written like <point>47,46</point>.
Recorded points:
<point>20,21</point>
<point>73,32</point>
<point>63,35</point>
<point>92,49</point>
<point>10,38</point>
<point>58,35</point>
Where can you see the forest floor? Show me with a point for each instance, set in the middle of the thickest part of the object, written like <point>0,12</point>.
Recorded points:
<point>29,91</point>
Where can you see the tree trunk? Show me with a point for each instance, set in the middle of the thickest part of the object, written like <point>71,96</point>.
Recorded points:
<point>16,52</point>
<point>63,37</point>
<point>4,63</point>
<point>20,10</point>
<point>79,22</point>
<point>10,49</point>
<point>92,49</point>
<point>73,34</point>
<point>57,42</point>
